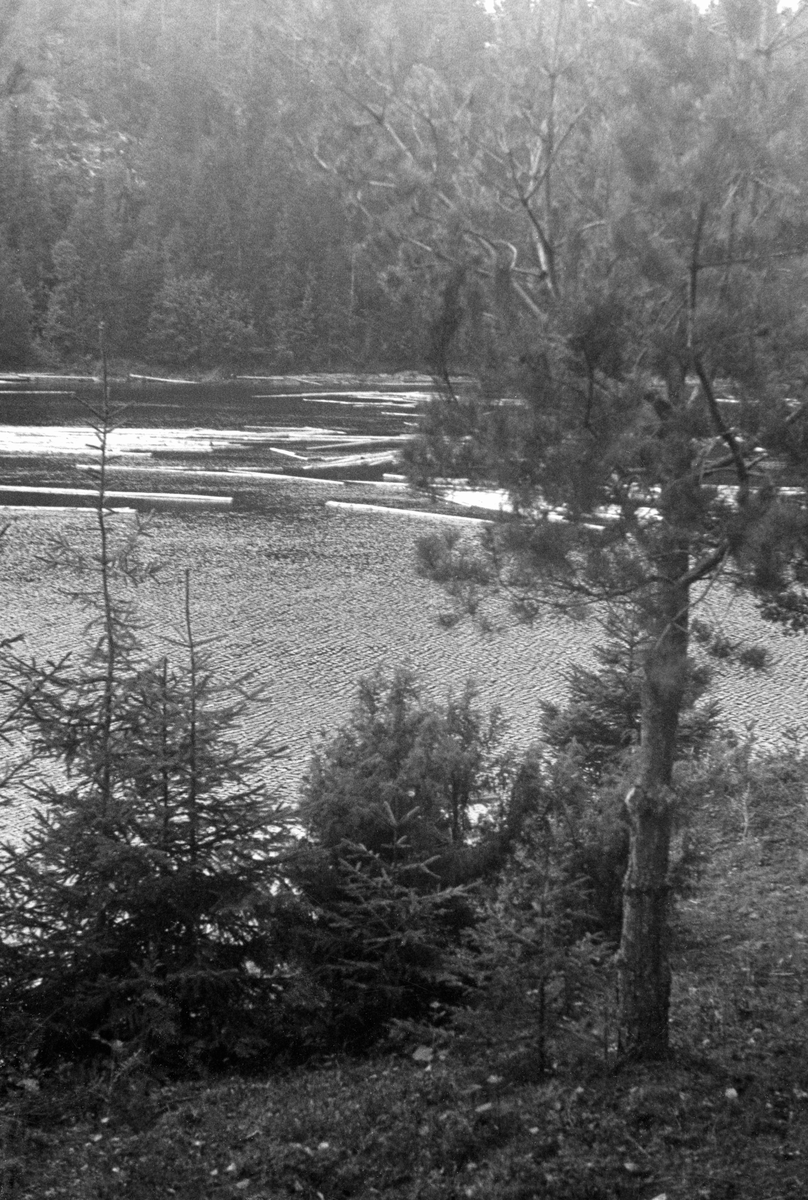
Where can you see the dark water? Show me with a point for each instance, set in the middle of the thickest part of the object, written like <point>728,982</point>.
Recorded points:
<point>208,405</point>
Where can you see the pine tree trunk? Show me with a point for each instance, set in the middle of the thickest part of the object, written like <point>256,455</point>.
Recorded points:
<point>644,976</point>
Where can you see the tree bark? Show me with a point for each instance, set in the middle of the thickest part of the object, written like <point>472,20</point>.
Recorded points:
<point>644,975</point>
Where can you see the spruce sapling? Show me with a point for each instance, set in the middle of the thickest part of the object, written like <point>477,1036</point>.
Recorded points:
<point>138,911</point>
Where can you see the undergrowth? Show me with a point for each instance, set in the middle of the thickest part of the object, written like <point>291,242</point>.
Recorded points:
<point>465,1112</point>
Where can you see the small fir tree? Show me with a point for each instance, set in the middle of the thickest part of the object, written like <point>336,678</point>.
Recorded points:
<point>406,805</point>
<point>602,714</point>
<point>139,907</point>
<point>401,753</point>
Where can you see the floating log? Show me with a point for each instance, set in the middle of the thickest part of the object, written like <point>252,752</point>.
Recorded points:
<point>377,483</point>
<point>361,399</point>
<point>117,454</point>
<point>406,404</point>
<point>188,472</point>
<point>64,378</point>
<point>46,509</point>
<point>87,498</point>
<point>282,379</point>
<point>350,460</point>
<point>395,394</point>
<point>295,433</point>
<point>304,479</point>
<point>494,498</point>
<point>364,443</point>
<point>404,512</point>
<point>160,379</point>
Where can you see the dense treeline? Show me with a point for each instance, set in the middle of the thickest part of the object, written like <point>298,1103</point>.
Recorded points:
<point>325,183</point>
<point>154,172</point>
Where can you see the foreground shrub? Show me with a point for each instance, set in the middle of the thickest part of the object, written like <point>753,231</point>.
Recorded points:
<point>378,945</point>
<point>577,834</point>
<point>406,805</point>
<point>601,716</point>
<point>539,965</point>
<point>573,784</point>
<point>749,790</point>
<point>401,756</point>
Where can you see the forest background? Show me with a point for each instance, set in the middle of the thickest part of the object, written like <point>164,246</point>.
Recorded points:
<point>296,185</point>
<point>172,168</point>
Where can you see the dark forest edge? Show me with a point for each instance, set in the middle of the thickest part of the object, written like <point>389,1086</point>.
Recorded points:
<point>171,190</point>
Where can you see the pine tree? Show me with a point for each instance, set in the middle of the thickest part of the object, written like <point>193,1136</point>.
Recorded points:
<point>657,368</point>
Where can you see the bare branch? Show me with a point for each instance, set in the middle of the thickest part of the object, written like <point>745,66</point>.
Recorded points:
<point>706,566</point>
<point>738,461</point>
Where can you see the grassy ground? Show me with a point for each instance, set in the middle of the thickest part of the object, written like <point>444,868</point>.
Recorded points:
<point>471,1115</point>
